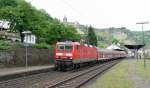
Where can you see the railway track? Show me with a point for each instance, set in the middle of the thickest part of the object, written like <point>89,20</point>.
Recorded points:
<point>26,81</point>
<point>78,79</point>
<point>53,79</point>
<point>30,80</point>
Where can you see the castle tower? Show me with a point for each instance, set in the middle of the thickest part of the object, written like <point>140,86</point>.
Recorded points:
<point>65,19</point>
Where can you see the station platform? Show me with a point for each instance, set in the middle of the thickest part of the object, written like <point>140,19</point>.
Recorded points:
<point>129,73</point>
<point>6,73</point>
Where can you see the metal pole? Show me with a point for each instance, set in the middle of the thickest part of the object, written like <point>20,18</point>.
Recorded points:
<point>136,49</point>
<point>143,41</point>
<point>137,54</point>
<point>143,46</point>
<point>87,39</point>
<point>26,62</point>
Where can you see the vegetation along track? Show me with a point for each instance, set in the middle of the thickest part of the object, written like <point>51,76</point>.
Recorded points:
<point>78,79</point>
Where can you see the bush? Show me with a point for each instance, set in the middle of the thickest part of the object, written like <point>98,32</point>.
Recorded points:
<point>8,45</point>
<point>4,45</point>
<point>42,46</point>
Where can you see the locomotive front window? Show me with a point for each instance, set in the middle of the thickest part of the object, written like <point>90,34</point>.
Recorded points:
<point>61,47</point>
<point>68,47</point>
<point>64,47</point>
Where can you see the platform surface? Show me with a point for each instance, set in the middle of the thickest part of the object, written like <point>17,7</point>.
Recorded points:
<point>130,73</point>
<point>17,70</point>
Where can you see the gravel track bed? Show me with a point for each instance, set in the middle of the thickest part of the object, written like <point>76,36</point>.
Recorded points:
<point>34,81</point>
<point>42,80</point>
<point>77,79</point>
<point>25,81</point>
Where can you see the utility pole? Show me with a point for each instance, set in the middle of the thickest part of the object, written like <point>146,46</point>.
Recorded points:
<point>142,23</point>
<point>136,49</point>
<point>110,34</point>
<point>87,31</point>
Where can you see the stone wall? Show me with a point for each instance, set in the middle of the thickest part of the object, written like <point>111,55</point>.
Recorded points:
<point>17,57</point>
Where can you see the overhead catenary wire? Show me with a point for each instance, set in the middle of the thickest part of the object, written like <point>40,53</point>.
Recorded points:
<point>74,9</point>
<point>69,5</point>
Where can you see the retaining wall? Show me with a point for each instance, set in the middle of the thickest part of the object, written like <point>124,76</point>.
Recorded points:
<point>17,57</point>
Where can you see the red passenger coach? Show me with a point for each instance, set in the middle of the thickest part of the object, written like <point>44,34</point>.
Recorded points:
<point>105,54</point>
<point>72,54</point>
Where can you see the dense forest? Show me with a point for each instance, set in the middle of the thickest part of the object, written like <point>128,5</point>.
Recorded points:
<point>23,16</point>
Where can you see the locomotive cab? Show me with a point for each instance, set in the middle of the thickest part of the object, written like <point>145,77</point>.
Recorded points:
<point>64,51</point>
<point>63,54</point>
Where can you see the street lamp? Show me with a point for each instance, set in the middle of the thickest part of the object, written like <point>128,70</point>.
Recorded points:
<point>142,23</point>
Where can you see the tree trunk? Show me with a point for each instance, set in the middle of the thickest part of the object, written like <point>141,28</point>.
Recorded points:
<point>22,37</point>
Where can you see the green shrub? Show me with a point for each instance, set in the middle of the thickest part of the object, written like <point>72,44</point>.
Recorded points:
<point>16,45</point>
<point>9,45</point>
<point>4,45</point>
<point>42,46</point>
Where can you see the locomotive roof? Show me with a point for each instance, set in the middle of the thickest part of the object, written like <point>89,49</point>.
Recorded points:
<point>69,42</point>
<point>74,43</point>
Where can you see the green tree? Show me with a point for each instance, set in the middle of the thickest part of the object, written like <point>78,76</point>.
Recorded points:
<point>91,38</point>
<point>59,32</point>
<point>22,16</point>
<point>16,15</point>
<point>11,3</point>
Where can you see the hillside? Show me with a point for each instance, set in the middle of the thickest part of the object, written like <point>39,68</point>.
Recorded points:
<point>122,35</point>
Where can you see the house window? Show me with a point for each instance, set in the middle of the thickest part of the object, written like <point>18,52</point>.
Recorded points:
<point>26,38</point>
<point>32,38</point>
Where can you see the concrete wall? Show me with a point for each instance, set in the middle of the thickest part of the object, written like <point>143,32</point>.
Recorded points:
<point>17,57</point>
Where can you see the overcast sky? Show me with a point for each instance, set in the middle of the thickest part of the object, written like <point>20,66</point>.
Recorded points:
<point>99,13</point>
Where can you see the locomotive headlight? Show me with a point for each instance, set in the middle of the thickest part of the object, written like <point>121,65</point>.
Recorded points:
<point>68,54</point>
<point>59,54</point>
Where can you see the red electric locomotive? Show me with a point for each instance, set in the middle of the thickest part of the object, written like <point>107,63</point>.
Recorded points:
<point>73,54</point>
